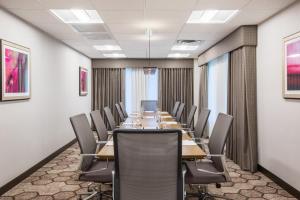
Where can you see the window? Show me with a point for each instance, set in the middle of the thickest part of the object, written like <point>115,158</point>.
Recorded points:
<point>217,88</point>
<point>140,84</point>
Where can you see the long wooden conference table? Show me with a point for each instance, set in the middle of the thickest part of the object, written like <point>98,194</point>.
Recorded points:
<point>153,120</point>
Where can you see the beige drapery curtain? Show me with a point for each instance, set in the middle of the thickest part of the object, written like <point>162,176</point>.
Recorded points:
<point>108,89</point>
<point>203,95</point>
<point>242,142</point>
<point>176,84</point>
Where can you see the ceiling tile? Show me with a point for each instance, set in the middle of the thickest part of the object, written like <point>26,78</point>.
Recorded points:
<point>24,4</point>
<point>170,4</point>
<point>221,4</point>
<point>120,17</point>
<point>35,15</point>
<point>66,4</point>
<point>118,4</point>
<point>274,5</point>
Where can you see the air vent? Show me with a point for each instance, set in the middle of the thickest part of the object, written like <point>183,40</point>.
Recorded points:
<point>87,28</point>
<point>97,36</point>
<point>189,41</point>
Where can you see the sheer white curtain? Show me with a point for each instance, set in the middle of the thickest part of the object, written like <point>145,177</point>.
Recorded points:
<point>217,88</point>
<point>139,86</point>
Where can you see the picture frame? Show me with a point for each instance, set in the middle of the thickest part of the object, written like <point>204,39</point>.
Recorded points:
<point>291,66</point>
<point>15,71</point>
<point>83,81</point>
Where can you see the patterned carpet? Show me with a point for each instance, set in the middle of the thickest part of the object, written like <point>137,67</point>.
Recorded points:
<point>58,180</point>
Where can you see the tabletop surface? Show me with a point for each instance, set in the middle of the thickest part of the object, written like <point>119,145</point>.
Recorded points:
<point>151,120</point>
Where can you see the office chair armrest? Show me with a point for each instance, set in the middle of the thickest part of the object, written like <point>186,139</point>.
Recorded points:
<point>98,170</point>
<point>101,142</point>
<point>113,184</point>
<point>210,172</point>
<point>183,180</point>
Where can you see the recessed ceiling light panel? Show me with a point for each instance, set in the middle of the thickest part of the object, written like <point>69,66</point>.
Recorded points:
<point>178,55</point>
<point>211,16</point>
<point>184,47</point>
<point>108,47</point>
<point>75,16</point>
<point>114,55</point>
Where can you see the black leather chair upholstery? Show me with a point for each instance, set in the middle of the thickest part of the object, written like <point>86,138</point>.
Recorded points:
<point>190,119</point>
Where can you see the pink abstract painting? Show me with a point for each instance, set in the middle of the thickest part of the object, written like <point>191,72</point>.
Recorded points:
<point>293,65</point>
<point>83,75</point>
<point>15,71</point>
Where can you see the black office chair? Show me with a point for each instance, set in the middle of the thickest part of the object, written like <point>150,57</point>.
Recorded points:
<point>148,165</point>
<point>120,112</point>
<point>198,131</point>
<point>180,112</point>
<point>190,119</point>
<point>91,169</point>
<point>102,133</point>
<point>175,109</point>
<point>149,105</point>
<point>110,118</point>
<point>123,109</point>
<point>213,170</point>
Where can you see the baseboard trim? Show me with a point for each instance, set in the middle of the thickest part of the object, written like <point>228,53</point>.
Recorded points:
<point>28,172</point>
<point>290,189</point>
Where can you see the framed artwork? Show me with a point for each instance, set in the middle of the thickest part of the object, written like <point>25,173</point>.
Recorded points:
<point>15,72</point>
<point>291,66</point>
<point>83,84</point>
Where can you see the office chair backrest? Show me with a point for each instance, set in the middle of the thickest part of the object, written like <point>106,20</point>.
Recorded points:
<point>218,138</point>
<point>148,164</point>
<point>180,112</point>
<point>175,109</point>
<point>149,105</point>
<point>99,125</point>
<point>123,109</point>
<point>201,123</point>
<point>110,118</point>
<point>120,112</point>
<point>191,116</point>
<point>85,137</point>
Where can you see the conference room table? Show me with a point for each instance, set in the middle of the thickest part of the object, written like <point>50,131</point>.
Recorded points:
<point>155,120</point>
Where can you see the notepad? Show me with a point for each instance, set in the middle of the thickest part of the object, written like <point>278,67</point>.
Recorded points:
<point>164,113</point>
<point>110,143</point>
<point>148,117</point>
<point>188,142</point>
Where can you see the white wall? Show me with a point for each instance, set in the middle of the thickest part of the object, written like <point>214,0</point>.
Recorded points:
<point>278,118</point>
<point>31,130</point>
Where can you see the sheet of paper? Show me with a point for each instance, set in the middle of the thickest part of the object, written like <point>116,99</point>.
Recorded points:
<point>110,143</point>
<point>188,142</point>
<point>168,122</point>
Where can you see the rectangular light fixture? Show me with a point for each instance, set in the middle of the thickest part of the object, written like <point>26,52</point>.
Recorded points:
<point>114,55</point>
<point>183,47</point>
<point>178,55</point>
<point>211,16</point>
<point>108,47</point>
<point>77,16</point>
